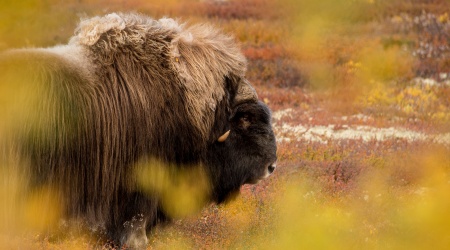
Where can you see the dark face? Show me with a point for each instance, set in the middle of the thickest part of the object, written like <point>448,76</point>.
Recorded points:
<point>248,155</point>
<point>254,141</point>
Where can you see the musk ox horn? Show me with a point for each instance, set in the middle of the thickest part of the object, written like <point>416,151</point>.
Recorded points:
<point>223,137</point>
<point>245,93</point>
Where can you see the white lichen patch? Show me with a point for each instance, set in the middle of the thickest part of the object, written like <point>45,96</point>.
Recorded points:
<point>288,132</point>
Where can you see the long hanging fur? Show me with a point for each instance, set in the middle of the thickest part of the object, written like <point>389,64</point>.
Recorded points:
<point>126,87</point>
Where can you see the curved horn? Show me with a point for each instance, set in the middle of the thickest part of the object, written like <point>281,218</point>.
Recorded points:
<point>223,137</point>
<point>245,92</point>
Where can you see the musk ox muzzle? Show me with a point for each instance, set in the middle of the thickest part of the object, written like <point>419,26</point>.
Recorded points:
<point>128,88</point>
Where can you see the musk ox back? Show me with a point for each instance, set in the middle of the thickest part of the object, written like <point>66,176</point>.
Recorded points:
<point>129,89</point>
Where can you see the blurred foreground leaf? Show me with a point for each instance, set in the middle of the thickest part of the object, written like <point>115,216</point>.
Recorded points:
<point>183,190</point>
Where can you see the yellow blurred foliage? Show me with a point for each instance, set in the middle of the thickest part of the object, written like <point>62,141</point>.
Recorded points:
<point>240,213</point>
<point>443,18</point>
<point>338,56</point>
<point>412,101</point>
<point>376,216</point>
<point>383,64</point>
<point>425,220</point>
<point>23,209</point>
<point>23,212</point>
<point>379,94</point>
<point>41,210</point>
<point>306,224</point>
<point>10,191</point>
<point>182,190</point>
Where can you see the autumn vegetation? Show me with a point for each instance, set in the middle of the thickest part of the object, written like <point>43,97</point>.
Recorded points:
<point>337,64</point>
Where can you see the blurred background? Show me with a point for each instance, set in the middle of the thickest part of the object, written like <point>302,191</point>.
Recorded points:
<point>360,93</point>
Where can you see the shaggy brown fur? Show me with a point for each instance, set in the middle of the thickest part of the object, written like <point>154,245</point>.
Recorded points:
<point>129,87</point>
<point>197,58</point>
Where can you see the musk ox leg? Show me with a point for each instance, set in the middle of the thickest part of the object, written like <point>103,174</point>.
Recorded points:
<point>129,227</point>
<point>134,234</point>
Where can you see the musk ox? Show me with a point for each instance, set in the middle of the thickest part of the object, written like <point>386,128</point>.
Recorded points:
<point>128,88</point>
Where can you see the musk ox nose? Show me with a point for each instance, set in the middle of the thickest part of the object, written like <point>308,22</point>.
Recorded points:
<point>271,168</point>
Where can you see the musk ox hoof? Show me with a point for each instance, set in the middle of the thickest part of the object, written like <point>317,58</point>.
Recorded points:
<point>135,240</point>
<point>134,234</point>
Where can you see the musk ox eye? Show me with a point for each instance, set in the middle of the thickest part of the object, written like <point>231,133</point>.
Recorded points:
<point>244,121</point>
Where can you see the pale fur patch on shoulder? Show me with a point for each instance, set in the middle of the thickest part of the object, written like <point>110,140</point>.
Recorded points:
<point>76,57</point>
<point>90,30</point>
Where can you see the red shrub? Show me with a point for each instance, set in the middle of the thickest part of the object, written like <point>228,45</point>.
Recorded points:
<point>235,9</point>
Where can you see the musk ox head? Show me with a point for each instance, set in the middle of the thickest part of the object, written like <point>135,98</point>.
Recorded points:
<point>248,154</point>
<point>127,88</point>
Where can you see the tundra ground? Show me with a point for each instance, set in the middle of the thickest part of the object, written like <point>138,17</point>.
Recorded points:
<point>360,93</point>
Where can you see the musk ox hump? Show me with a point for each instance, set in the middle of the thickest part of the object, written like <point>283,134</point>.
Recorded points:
<point>90,30</point>
<point>199,57</point>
